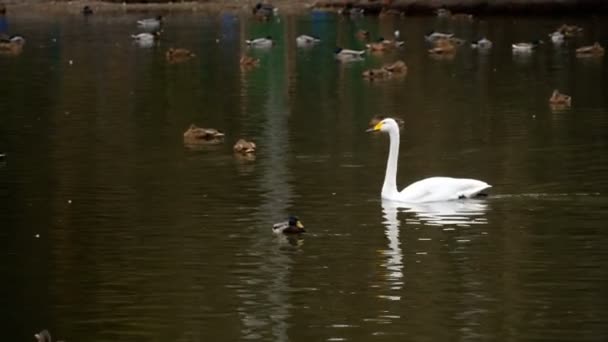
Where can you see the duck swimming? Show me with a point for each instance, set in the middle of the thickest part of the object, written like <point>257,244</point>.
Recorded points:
<point>43,336</point>
<point>12,46</point>
<point>87,10</point>
<point>146,39</point>
<point>558,98</point>
<point>265,42</point>
<point>362,35</point>
<point>292,226</point>
<point>247,61</point>
<point>377,74</point>
<point>174,55</point>
<point>595,50</point>
<point>482,44</point>
<point>433,36</point>
<point>304,40</point>
<point>396,69</point>
<point>346,55</point>
<point>150,23</point>
<point>569,31</point>
<point>556,37</point>
<point>195,133</point>
<point>244,146</point>
<point>264,11</point>
<point>525,47</point>
<point>443,47</point>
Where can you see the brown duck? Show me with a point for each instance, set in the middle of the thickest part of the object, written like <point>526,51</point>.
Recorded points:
<point>247,61</point>
<point>558,98</point>
<point>595,50</point>
<point>243,146</point>
<point>177,55</point>
<point>195,133</point>
<point>11,46</point>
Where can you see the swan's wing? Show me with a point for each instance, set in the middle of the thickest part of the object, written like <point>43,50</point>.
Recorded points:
<point>442,189</point>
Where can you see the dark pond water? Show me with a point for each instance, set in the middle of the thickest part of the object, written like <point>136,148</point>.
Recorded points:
<point>114,230</point>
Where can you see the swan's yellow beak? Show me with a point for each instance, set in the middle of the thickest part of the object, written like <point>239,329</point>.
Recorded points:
<point>299,224</point>
<point>376,128</point>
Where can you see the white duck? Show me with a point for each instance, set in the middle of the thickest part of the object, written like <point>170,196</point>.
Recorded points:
<point>304,40</point>
<point>434,189</point>
<point>433,36</point>
<point>150,23</point>
<point>525,47</point>
<point>346,55</point>
<point>260,42</point>
<point>482,44</point>
<point>557,37</point>
<point>145,39</point>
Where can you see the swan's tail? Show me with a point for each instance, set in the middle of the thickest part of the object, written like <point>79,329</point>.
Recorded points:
<point>478,190</point>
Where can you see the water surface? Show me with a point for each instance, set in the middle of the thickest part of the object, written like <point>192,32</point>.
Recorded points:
<point>113,229</point>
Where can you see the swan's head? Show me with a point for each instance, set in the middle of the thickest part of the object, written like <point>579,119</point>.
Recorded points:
<point>295,222</point>
<point>386,125</point>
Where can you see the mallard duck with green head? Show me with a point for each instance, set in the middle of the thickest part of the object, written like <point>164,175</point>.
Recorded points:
<point>292,226</point>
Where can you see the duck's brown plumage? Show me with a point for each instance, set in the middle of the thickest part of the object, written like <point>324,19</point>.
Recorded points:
<point>443,47</point>
<point>396,67</point>
<point>178,55</point>
<point>569,30</point>
<point>11,47</point>
<point>247,61</point>
<point>376,74</point>
<point>595,50</point>
<point>43,336</point>
<point>244,146</point>
<point>362,35</point>
<point>198,133</point>
<point>387,71</point>
<point>558,98</point>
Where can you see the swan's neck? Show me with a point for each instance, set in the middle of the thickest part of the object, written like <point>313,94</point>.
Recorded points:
<point>389,188</point>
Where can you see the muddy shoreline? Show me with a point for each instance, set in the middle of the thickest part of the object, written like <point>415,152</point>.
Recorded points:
<point>371,7</point>
<point>478,7</point>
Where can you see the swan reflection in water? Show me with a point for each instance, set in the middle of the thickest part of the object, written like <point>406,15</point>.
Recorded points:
<point>461,212</point>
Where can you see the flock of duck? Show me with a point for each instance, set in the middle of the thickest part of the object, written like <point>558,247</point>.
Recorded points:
<point>440,44</point>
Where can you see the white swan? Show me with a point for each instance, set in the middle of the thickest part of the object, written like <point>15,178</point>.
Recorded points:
<point>427,190</point>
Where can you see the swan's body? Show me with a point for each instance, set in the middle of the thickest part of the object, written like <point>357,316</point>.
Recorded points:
<point>432,189</point>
